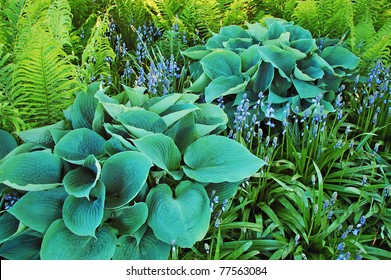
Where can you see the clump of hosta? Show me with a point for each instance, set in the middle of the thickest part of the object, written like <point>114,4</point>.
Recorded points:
<point>125,177</point>
<point>278,61</point>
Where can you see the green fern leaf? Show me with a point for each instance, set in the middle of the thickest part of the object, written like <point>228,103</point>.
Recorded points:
<point>60,21</point>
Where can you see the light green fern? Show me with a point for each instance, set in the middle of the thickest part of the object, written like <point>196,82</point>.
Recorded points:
<point>59,19</point>
<point>10,13</point>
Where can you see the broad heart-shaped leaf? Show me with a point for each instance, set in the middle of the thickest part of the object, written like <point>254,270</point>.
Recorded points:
<point>177,111</point>
<point>41,135</point>
<point>211,118</point>
<point>129,219</point>
<point>200,84</point>
<point>224,190</point>
<point>307,90</point>
<point>136,95</point>
<point>84,106</point>
<point>196,52</point>
<point>124,175</point>
<point>149,248</point>
<point>160,104</point>
<point>79,182</point>
<point>224,85</point>
<point>181,218</point>
<point>143,119</point>
<point>32,171</point>
<point>24,246</point>
<point>21,149</point>
<point>7,143</point>
<point>222,63</point>
<point>216,159</point>
<point>78,144</point>
<point>182,132</point>
<point>8,226</point>
<point>280,59</point>
<point>338,56</point>
<point>81,215</point>
<point>38,210</point>
<point>263,77</point>
<point>161,149</point>
<point>250,57</point>
<point>59,243</point>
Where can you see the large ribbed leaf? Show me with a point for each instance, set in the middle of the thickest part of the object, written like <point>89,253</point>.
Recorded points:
<point>8,226</point>
<point>161,149</point>
<point>33,171</point>
<point>222,63</point>
<point>224,85</point>
<point>160,104</point>
<point>59,243</point>
<point>24,246</point>
<point>307,90</point>
<point>338,56</point>
<point>280,59</point>
<point>84,106</point>
<point>216,159</point>
<point>41,135</point>
<point>182,132</point>
<point>142,120</point>
<point>78,144</point>
<point>129,219</point>
<point>148,248</point>
<point>7,143</point>
<point>211,118</point>
<point>38,210</point>
<point>83,215</point>
<point>181,218</point>
<point>124,174</point>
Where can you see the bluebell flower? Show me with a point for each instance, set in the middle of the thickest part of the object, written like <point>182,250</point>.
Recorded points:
<point>341,246</point>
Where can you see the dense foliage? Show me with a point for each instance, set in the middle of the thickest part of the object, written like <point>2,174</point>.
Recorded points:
<point>191,129</point>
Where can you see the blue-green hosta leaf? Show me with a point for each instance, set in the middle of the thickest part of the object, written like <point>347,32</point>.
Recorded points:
<point>24,246</point>
<point>223,86</point>
<point>182,132</point>
<point>297,32</point>
<point>38,210</point>
<point>142,119</point>
<point>181,218</point>
<point>83,215</point>
<point>216,42</point>
<point>304,45</point>
<point>275,29</point>
<point>79,182</point>
<point>250,57</point>
<point>257,31</point>
<point>136,95</point>
<point>129,219</point>
<point>7,143</point>
<point>307,90</point>
<point>196,52</point>
<point>263,77</point>
<point>8,226</point>
<point>211,118</point>
<point>21,149</point>
<point>280,59</point>
<point>216,159</point>
<point>338,56</point>
<point>113,146</point>
<point>296,53</point>
<point>84,106</point>
<point>161,149</point>
<point>234,31</point>
<point>78,144</point>
<point>57,134</point>
<point>124,175</point>
<point>158,105</point>
<point>238,45</point>
<point>177,111</point>
<point>121,134</point>
<point>148,248</point>
<point>59,243</point>
<point>115,110</point>
<point>32,171</point>
<point>40,135</point>
<point>224,190</point>
<point>222,63</point>
<point>308,74</point>
<point>200,84</point>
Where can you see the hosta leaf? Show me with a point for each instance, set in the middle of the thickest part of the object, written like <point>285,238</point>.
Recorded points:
<point>136,95</point>
<point>120,133</point>
<point>8,226</point>
<point>124,174</point>
<point>80,181</point>
<point>78,144</point>
<point>280,59</point>
<point>176,112</point>
<point>257,31</point>
<point>33,171</point>
<point>7,143</point>
<point>59,243</point>
<point>250,57</point>
<point>217,159</point>
<point>148,248</point>
<point>82,215</point>
<point>304,45</point>
<point>144,120</point>
<point>113,146</point>
<point>196,52</point>
<point>38,210</point>
<point>263,77</point>
<point>224,85</point>
<point>338,56</point>
<point>275,29</point>
<point>182,132</point>
<point>234,31</point>
<point>24,246</point>
<point>181,218</point>
<point>221,63</point>
<point>161,149</point>
<point>41,135</point>
<point>21,149</point>
<point>200,84</point>
<point>238,45</point>
<point>158,105</point>
<point>84,106</point>
<point>129,219</point>
<point>307,90</point>
<point>224,190</point>
<point>210,118</point>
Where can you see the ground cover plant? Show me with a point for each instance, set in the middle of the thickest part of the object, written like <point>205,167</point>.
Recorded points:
<point>228,130</point>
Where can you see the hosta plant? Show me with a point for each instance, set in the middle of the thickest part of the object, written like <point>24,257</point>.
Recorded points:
<point>278,62</point>
<point>123,177</point>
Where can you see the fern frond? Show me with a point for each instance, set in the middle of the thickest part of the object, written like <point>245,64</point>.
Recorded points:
<point>9,17</point>
<point>44,80</point>
<point>80,12</point>
<point>59,19</point>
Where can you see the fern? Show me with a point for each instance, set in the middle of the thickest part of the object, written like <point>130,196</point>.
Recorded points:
<point>59,19</point>
<point>43,80</point>
<point>80,11</point>
<point>9,17</point>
